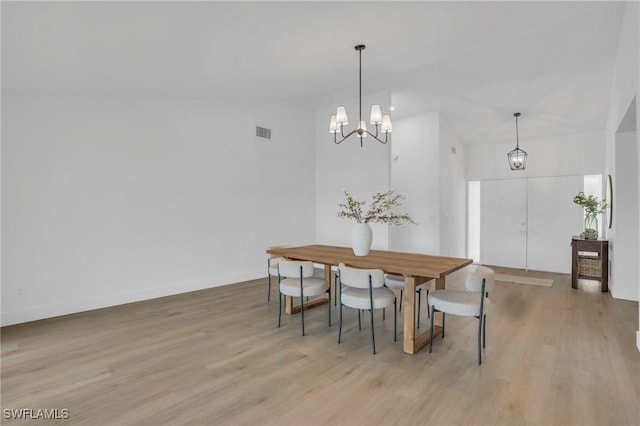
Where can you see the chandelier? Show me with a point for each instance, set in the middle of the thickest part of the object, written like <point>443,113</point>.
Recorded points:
<point>340,119</point>
<point>517,157</point>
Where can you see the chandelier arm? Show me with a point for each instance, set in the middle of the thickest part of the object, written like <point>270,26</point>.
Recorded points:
<point>386,135</point>
<point>376,135</point>
<point>337,142</point>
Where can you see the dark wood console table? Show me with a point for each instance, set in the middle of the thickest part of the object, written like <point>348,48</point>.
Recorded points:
<point>590,259</point>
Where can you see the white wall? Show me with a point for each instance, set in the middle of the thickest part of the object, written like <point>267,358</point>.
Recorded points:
<point>625,87</point>
<point>453,193</point>
<point>624,273</point>
<point>361,171</point>
<point>415,173</point>
<point>563,155</point>
<point>109,201</point>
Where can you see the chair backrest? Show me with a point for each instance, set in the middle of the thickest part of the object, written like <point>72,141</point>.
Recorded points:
<point>474,279</point>
<point>291,268</point>
<point>359,278</point>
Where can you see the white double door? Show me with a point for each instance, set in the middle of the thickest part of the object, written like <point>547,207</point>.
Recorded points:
<point>528,223</point>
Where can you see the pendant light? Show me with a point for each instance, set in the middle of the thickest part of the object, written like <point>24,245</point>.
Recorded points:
<point>517,157</point>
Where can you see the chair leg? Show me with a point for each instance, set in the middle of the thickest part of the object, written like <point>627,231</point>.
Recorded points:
<point>329,305</point>
<point>373,337</point>
<point>427,303</point>
<point>359,321</point>
<point>433,311</point>
<point>340,328</point>
<point>479,339</point>
<point>279,307</point>
<point>419,306</point>
<point>302,313</point>
<point>400,310</point>
<point>384,314</point>
<point>269,280</point>
<point>395,320</point>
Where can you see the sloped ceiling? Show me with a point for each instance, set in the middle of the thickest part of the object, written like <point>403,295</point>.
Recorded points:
<point>476,62</point>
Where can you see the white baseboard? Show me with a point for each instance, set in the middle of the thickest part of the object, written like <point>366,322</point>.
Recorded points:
<point>73,307</point>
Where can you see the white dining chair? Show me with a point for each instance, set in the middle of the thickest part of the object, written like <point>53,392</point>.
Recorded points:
<point>363,289</point>
<point>296,279</point>
<point>473,302</point>
<point>396,282</point>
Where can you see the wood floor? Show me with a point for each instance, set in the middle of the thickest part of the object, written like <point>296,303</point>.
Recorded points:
<point>554,356</point>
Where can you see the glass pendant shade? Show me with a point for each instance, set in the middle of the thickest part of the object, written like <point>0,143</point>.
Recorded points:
<point>517,159</point>
<point>386,124</point>
<point>341,116</point>
<point>333,127</point>
<point>376,114</point>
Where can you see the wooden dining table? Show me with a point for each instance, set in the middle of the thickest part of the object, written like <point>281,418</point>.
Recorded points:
<point>416,269</point>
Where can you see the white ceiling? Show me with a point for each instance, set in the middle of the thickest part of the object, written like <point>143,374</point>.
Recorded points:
<point>476,62</point>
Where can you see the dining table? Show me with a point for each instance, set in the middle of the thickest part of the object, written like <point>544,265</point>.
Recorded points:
<point>416,269</point>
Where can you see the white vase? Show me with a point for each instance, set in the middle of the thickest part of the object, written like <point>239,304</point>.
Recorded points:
<point>361,238</point>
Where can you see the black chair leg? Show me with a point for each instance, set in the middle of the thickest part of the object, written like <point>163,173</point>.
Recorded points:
<point>479,340</point>
<point>329,305</point>
<point>400,310</point>
<point>302,313</point>
<point>373,337</point>
<point>427,303</point>
<point>395,320</point>
<point>279,308</point>
<point>359,321</point>
<point>384,314</point>
<point>340,327</point>
<point>433,311</point>
<point>269,279</point>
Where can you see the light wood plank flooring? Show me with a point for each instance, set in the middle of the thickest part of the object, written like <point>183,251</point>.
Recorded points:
<point>554,356</point>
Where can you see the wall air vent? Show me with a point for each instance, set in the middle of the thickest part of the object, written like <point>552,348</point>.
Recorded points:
<point>262,132</point>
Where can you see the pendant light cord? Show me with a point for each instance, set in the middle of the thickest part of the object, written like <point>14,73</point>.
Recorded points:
<point>516,115</point>
<point>360,89</point>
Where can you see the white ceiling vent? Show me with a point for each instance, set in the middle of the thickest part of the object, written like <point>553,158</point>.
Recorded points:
<point>262,132</point>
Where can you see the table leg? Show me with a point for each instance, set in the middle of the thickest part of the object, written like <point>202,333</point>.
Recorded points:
<point>413,342</point>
